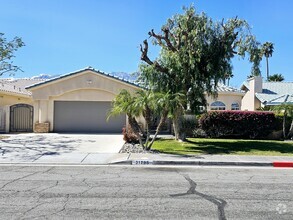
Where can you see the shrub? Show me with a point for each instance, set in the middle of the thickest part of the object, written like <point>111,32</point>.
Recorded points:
<point>279,121</point>
<point>129,136</point>
<point>189,124</point>
<point>241,124</point>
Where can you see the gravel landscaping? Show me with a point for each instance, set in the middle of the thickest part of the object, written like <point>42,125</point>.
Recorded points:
<point>134,148</point>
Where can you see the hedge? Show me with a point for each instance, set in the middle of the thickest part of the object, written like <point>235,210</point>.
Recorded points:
<point>241,124</point>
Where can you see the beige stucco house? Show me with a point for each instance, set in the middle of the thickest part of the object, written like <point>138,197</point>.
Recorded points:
<point>74,102</point>
<point>228,98</point>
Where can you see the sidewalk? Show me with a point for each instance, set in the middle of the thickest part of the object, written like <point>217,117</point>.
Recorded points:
<point>82,158</point>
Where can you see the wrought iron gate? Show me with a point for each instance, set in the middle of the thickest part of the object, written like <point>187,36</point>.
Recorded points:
<point>21,118</point>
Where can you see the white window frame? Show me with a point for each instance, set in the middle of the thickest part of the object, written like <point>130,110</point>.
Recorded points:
<point>218,105</point>
<point>235,108</point>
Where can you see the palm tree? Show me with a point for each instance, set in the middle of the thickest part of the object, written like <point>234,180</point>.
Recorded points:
<point>267,50</point>
<point>124,102</point>
<point>276,78</point>
<point>166,104</point>
<point>227,77</point>
<point>145,102</point>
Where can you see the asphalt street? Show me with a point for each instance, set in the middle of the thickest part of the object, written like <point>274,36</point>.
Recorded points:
<point>145,192</point>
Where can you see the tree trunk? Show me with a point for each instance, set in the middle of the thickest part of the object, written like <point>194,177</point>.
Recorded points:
<point>290,133</point>
<point>147,116</point>
<point>267,59</point>
<point>160,125</point>
<point>284,124</point>
<point>136,129</point>
<point>177,125</point>
<point>176,128</point>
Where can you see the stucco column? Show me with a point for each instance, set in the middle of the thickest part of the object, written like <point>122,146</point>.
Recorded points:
<point>7,118</point>
<point>36,111</point>
<point>43,111</point>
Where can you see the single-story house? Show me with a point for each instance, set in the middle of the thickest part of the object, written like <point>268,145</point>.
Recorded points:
<point>80,101</point>
<point>74,102</point>
<point>260,94</point>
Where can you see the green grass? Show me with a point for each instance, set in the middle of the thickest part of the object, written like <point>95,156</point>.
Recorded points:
<point>224,146</point>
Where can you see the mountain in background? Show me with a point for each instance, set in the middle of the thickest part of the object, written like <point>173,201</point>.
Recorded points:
<point>125,76</point>
<point>44,76</point>
<point>120,75</point>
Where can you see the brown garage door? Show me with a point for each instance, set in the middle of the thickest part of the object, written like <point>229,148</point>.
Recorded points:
<point>86,117</point>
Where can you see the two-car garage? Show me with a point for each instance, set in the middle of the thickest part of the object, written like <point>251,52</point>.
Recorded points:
<point>79,102</point>
<point>86,116</point>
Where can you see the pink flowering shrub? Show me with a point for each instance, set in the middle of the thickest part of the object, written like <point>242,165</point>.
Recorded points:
<point>241,124</point>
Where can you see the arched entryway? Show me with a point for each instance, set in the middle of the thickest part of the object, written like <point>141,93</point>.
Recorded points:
<point>21,118</point>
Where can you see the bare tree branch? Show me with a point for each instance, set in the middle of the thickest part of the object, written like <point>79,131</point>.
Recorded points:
<point>144,53</point>
<point>159,39</point>
<point>144,57</point>
<point>166,38</point>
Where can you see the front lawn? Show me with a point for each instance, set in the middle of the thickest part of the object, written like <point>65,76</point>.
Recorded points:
<point>224,146</point>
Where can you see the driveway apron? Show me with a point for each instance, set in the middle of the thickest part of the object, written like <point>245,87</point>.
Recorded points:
<point>59,148</point>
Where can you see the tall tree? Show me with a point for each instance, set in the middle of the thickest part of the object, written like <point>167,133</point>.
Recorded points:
<point>276,78</point>
<point>227,78</point>
<point>267,50</point>
<point>7,49</point>
<point>195,54</point>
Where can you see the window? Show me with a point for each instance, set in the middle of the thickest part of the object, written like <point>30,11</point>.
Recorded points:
<point>218,106</point>
<point>235,106</point>
<point>201,109</point>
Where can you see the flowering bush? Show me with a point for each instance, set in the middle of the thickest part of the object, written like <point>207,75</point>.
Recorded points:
<point>242,124</point>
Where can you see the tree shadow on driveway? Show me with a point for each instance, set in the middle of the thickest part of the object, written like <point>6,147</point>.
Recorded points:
<point>31,147</point>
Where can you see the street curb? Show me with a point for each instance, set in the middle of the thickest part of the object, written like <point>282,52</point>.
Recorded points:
<point>277,164</point>
<point>199,163</point>
<point>213,163</point>
<point>283,164</point>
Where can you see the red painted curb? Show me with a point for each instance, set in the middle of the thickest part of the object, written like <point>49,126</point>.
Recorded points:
<point>283,164</point>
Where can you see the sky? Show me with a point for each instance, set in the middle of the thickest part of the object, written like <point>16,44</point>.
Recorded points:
<point>63,36</point>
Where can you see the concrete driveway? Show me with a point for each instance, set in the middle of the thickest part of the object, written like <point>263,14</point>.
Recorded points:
<point>59,148</point>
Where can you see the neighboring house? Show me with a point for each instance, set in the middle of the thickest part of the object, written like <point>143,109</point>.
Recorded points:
<point>228,98</point>
<point>15,103</point>
<point>260,94</point>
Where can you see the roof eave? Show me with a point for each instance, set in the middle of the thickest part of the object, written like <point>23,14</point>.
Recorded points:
<point>15,94</point>
<point>34,86</point>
